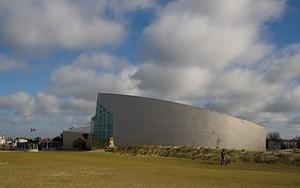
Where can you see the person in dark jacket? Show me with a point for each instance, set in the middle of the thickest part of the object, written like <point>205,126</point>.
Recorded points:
<point>222,157</point>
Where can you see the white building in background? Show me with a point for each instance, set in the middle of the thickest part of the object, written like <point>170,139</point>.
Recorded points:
<point>2,140</point>
<point>21,140</point>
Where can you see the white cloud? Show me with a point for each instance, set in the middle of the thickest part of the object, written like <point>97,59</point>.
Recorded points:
<point>80,105</point>
<point>32,25</point>
<point>25,105</point>
<point>239,92</point>
<point>295,120</point>
<point>128,5</point>
<point>205,36</point>
<point>197,42</point>
<point>210,33</point>
<point>91,73</point>
<point>99,61</point>
<point>8,64</point>
<point>46,103</point>
<point>283,66</point>
<point>20,102</point>
<point>45,111</point>
<point>173,83</point>
<point>287,101</point>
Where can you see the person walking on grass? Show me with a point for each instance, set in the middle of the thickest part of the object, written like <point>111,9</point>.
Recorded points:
<point>222,157</point>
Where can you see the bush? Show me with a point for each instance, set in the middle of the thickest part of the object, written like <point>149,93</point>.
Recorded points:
<point>209,155</point>
<point>266,158</point>
<point>245,158</point>
<point>269,159</point>
<point>296,160</point>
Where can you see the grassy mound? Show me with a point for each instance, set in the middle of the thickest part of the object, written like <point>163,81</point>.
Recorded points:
<point>209,155</point>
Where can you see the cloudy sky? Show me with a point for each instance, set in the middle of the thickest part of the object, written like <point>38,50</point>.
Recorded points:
<point>240,57</point>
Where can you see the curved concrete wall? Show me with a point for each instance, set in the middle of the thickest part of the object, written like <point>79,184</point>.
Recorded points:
<point>145,121</point>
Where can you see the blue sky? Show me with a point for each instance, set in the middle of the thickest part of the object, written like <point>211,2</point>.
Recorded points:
<point>241,58</point>
<point>285,31</point>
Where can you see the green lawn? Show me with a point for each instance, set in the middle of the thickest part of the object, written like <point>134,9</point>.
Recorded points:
<point>97,169</point>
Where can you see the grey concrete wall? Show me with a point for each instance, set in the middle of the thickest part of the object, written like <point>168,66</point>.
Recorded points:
<point>139,120</point>
<point>70,137</point>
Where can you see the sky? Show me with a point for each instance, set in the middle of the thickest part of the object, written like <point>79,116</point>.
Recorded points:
<point>238,57</point>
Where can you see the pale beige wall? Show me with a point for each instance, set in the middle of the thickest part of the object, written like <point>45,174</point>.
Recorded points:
<point>139,120</point>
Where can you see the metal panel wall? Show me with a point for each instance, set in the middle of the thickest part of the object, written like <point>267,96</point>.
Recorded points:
<point>145,121</point>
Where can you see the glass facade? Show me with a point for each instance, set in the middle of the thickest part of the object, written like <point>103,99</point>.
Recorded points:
<point>102,125</point>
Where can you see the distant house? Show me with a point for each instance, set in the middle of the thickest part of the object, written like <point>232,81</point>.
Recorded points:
<point>273,144</point>
<point>45,144</point>
<point>2,140</point>
<point>289,144</point>
<point>9,142</point>
<point>21,143</point>
<point>281,144</point>
<point>21,140</point>
<point>77,138</point>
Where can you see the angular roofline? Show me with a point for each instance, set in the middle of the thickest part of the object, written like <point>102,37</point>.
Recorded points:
<point>177,103</point>
<point>155,99</point>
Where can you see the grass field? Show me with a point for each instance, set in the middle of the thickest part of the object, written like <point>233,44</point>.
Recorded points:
<point>99,169</point>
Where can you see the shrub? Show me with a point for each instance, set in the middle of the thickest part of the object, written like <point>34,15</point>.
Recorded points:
<point>245,158</point>
<point>266,158</point>
<point>209,155</point>
<point>296,160</point>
